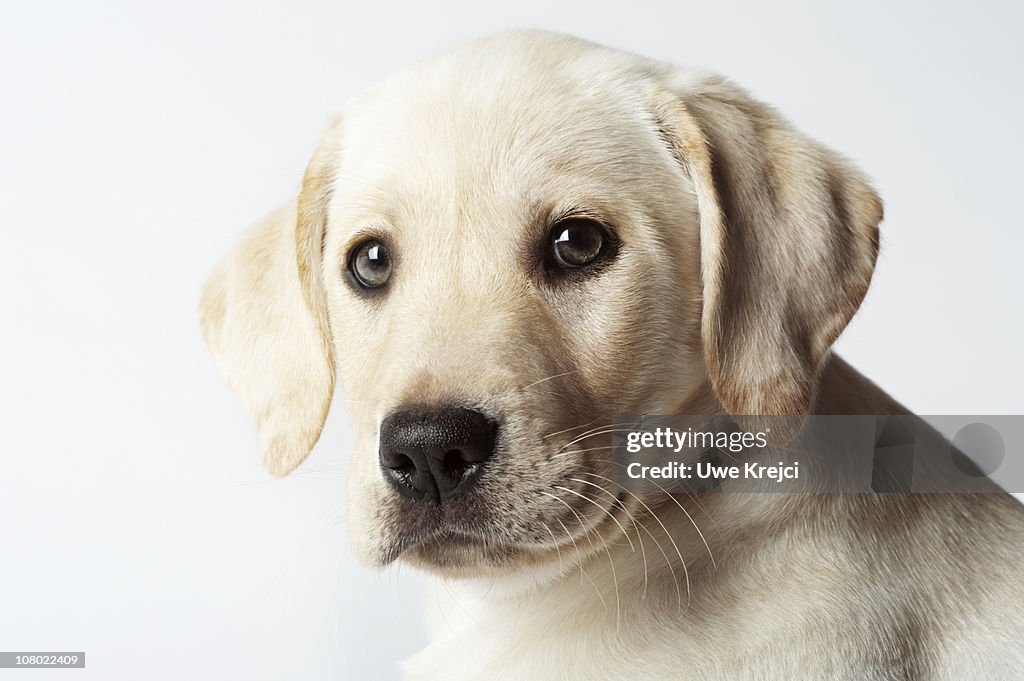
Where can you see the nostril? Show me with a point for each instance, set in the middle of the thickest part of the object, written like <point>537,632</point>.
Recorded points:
<point>401,463</point>
<point>455,463</point>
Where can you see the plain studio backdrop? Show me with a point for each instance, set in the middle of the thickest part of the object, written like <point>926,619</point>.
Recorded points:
<point>137,143</point>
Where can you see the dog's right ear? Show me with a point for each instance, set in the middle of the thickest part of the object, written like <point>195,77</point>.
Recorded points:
<point>264,318</point>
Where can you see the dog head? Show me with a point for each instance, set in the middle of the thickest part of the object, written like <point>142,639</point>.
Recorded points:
<point>507,246</point>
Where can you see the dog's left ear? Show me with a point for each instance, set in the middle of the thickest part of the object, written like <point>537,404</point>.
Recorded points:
<point>789,239</point>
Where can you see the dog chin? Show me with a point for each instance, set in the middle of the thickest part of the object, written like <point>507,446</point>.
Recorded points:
<point>456,555</point>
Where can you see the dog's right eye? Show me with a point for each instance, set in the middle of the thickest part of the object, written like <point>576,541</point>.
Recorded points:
<point>370,264</point>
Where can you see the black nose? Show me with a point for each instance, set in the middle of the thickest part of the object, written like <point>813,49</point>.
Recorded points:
<point>435,454</point>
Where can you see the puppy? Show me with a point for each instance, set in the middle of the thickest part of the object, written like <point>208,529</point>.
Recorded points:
<point>505,247</point>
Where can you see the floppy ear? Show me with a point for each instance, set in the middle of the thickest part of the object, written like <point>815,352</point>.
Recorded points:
<point>789,239</point>
<point>264,319</point>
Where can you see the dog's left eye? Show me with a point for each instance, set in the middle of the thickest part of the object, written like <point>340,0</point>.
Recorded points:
<point>577,242</point>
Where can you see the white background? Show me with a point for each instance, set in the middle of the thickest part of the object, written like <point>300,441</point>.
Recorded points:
<point>135,145</point>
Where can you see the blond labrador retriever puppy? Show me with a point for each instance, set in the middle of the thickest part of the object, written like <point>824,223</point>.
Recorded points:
<point>504,247</point>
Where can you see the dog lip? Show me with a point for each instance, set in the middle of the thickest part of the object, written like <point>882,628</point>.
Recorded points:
<point>395,549</point>
<point>444,531</point>
<point>409,541</point>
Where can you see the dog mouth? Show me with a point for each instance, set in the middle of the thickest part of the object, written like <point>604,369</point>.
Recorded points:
<point>447,535</point>
<point>510,513</point>
<point>432,542</point>
<point>436,543</point>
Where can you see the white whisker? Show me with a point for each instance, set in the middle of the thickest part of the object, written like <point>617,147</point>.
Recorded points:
<point>682,561</point>
<point>564,430</point>
<point>611,562</point>
<point>639,538</point>
<point>687,513</point>
<point>549,378</point>
<point>604,510</point>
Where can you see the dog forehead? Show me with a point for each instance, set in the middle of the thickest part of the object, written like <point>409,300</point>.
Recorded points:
<point>509,73</point>
<point>502,117</point>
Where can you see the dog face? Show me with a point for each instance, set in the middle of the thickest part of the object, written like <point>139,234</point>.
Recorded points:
<point>506,247</point>
<point>530,280</point>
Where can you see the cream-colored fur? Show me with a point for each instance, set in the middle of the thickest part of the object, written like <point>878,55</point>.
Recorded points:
<point>745,249</point>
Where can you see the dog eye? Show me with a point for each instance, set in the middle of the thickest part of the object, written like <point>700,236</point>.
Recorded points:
<point>577,242</point>
<point>370,264</point>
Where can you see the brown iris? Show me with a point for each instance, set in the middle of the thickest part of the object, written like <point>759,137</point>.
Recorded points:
<point>577,242</point>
